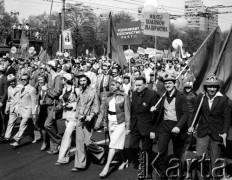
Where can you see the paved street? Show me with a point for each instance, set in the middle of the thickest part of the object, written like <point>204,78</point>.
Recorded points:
<point>29,163</point>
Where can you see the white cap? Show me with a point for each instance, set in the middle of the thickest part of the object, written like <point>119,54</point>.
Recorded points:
<point>10,77</point>
<point>66,54</point>
<point>67,76</point>
<point>51,63</point>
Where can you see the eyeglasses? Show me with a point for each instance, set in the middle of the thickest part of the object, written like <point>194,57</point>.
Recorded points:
<point>23,79</point>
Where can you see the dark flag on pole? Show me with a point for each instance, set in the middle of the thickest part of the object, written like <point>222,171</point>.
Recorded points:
<point>224,69</point>
<point>114,49</point>
<point>205,60</point>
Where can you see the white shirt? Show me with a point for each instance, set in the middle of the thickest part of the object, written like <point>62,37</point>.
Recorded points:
<point>113,109</point>
<point>210,101</point>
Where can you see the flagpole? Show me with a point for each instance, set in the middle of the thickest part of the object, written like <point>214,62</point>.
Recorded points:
<point>155,57</point>
<point>48,31</point>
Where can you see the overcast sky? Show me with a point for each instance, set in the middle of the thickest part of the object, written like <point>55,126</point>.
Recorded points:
<point>35,7</point>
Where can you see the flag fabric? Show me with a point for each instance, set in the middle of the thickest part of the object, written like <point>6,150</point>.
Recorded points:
<point>169,54</point>
<point>44,57</point>
<point>114,49</point>
<point>203,63</point>
<point>223,70</point>
<point>24,44</point>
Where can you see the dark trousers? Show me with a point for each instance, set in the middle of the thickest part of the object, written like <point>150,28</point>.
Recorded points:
<point>135,138</point>
<point>3,121</point>
<point>165,135</point>
<point>51,128</point>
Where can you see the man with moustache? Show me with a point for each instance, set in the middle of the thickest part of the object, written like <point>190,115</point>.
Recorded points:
<point>87,109</point>
<point>27,108</point>
<point>172,123</point>
<point>214,122</point>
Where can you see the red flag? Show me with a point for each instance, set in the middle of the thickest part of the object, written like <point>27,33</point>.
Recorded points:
<point>223,70</point>
<point>203,63</point>
<point>114,49</point>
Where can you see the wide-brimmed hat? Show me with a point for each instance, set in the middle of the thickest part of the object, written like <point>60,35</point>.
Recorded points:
<point>212,80</point>
<point>169,77</point>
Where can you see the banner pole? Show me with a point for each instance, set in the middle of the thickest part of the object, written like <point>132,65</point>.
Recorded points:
<point>155,58</point>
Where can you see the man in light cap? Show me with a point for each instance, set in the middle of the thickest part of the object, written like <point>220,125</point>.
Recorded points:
<point>172,123</point>
<point>213,126</point>
<point>53,90</point>
<point>3,98</point>
<point>12,105</point>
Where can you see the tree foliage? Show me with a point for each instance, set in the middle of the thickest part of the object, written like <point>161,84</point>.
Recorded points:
<point>90,31</point>
<point>6,22</point>
<point>191,38</point>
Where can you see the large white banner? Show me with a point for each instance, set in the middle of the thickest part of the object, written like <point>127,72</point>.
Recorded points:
<point>156,24</point>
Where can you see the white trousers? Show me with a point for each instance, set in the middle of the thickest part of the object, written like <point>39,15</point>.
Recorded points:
<point>64,153</point>
<point>23,126</point>
<point>10,125</point>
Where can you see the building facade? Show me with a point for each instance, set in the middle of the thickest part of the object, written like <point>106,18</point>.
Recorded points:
<point>199,16</point>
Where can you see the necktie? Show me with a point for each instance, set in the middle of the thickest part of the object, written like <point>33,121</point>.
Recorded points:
<point>22,90</point>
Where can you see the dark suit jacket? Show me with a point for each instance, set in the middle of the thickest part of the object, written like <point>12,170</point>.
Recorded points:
<point>11,70</point>
<point>140,109</point>
<point>3,89</point>
<point>182,112</point>
<point>213,121</point>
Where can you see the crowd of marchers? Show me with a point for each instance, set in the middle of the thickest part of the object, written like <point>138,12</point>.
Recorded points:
<point>150,102</point>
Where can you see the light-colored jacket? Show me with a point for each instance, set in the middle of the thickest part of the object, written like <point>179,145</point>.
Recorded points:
<point>87,103</point>
<point>28,102</point>
<point>13,98</point>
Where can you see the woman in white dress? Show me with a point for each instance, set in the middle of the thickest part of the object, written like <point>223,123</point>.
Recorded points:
<point>116,121</point>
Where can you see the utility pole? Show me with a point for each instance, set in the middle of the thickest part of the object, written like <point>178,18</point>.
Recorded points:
<point>62,25</point>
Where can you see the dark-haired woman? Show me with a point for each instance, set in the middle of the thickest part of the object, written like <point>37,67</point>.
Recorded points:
<point>68,98</point>
<point>116,120</point>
